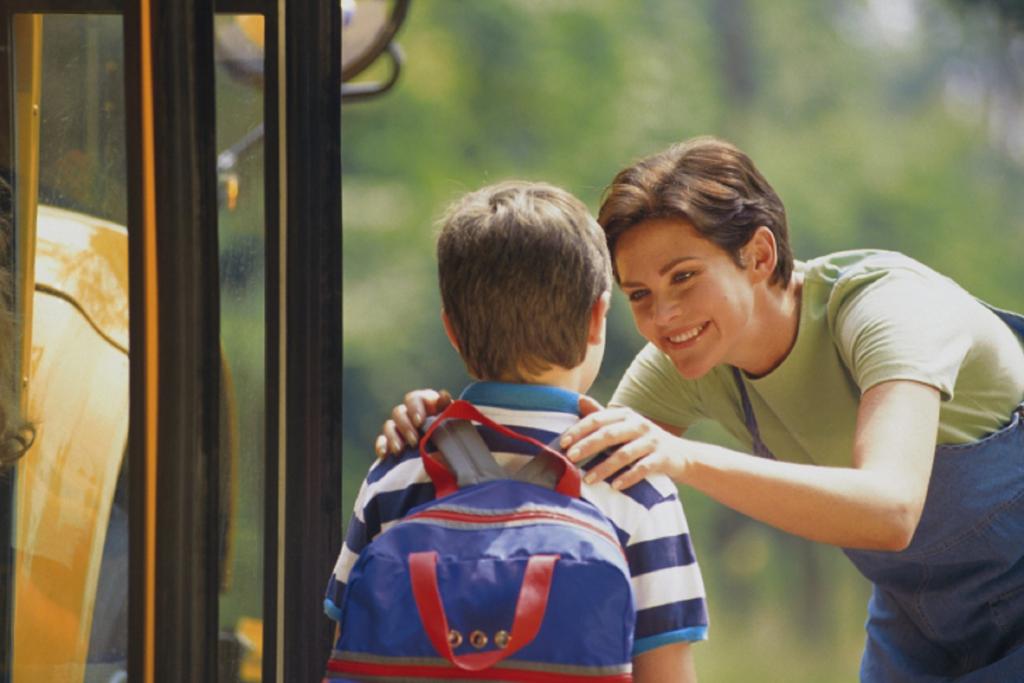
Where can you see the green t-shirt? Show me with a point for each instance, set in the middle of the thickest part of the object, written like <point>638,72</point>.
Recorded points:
<point>866,317</point>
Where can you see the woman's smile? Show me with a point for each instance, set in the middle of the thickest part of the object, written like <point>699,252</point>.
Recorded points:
<point>688,337</point>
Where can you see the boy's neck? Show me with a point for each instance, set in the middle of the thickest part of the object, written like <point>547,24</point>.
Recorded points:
<point>572,380</point>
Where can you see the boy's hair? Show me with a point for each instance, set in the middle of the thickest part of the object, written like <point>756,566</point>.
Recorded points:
<point>520,265</point>
<point>707,182</point>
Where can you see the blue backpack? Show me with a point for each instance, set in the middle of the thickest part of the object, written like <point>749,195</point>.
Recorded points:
<point>497,578</point>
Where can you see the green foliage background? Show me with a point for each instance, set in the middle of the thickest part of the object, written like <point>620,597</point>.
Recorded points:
<point>891,125</point>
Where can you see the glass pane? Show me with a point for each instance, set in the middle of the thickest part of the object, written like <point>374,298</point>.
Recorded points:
<point>239,56</point>
<point>82,155</point>
<point>70,514</point>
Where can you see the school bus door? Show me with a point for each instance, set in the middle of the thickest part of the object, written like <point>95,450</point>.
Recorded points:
<point>145,300</point>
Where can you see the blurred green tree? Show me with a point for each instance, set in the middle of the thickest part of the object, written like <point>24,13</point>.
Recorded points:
<point>895,125</point>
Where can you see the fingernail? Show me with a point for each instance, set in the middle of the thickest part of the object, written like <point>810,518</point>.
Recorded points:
<point>396,446</point>
<point>617,484</point>
<point>590,478</point>
<point>417,419</point>
<point>573,454</point>
<point>564,443</point>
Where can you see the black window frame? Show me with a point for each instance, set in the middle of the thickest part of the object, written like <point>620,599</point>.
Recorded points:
<point>308,520</point>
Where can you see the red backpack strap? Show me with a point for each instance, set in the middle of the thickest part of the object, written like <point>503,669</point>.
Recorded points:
<point>444,479</point>
<point>529,615</point>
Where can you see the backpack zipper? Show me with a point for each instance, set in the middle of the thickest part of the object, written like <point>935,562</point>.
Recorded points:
<point>485,520</point>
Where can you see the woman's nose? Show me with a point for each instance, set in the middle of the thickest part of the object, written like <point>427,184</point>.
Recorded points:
<point>665,310</point>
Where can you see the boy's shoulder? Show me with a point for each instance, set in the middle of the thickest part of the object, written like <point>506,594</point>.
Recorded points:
<point>397,483</point>
<point>394,466</point>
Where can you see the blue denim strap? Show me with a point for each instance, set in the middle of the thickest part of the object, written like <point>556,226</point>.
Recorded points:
<point>748,417</point>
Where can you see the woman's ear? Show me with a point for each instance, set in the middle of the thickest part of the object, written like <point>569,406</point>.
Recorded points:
<point>450,331</point>
<point>598,318</point>
<point>761,254</point>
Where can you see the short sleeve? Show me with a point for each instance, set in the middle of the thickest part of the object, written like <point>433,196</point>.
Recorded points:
<point>654,388</point>
<point>356,538</point>
<point>899,325</point>
<point>392,487</point>
<point>670,597</point>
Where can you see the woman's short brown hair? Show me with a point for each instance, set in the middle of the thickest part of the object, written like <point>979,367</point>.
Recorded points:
<point>707,182</point>
<point>520,266</point>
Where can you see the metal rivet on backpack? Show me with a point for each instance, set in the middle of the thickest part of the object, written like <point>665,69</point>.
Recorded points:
<point>454,638</point>
<point>501,639</point>
<point>478,639</point>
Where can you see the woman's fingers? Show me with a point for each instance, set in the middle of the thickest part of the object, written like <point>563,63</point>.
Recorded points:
<point>404,424</point>
<point>406,418</point>
<point>604,438</point>
<point>609,428</point>
<point>444,399</point>
<point>423,403</point>
<point>380,446</point>
<point>635,474</point>
<point>622,457</point>
<point>390,434</point>
<point>388,442</point>
<point>588,405</point>
<point>641,448</point>
<point>592,423</point>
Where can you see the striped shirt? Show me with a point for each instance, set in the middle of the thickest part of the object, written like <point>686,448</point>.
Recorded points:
<point>647,517</point>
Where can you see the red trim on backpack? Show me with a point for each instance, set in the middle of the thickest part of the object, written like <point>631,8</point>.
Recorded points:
<point>444,481</point>
<point>448,673</point>
<point>530,607</point>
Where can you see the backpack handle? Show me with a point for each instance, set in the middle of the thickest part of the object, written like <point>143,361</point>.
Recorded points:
<point>530,607</point>
<point>445,481</point>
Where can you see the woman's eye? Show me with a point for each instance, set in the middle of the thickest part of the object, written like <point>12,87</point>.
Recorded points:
<point>637,294</point>
<point>682,276</point>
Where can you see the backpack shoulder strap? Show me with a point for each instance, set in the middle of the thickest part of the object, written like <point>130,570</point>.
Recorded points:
<point>473,463</point>
<point>468,457</point>
<point>542,469</point>
<point>468,453</point>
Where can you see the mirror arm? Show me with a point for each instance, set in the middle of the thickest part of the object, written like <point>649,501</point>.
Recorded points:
<point>351,92</point>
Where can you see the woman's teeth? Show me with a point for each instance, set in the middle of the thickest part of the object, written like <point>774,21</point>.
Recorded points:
<point>688,335</point>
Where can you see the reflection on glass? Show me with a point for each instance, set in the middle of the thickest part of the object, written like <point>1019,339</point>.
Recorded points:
<point>239,101</point>
<point>70,515</point>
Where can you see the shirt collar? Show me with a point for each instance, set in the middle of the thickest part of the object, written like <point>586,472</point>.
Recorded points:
<point>522,397</point>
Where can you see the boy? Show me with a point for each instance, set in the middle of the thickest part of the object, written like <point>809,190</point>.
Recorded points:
<point>525,282</point>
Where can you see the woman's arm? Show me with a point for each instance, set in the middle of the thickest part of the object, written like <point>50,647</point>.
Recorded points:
<point>875,504</point>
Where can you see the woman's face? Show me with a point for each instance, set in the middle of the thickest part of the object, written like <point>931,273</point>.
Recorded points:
<point>688,296</point>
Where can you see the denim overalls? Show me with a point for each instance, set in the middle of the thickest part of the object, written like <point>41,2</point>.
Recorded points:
<point>951,606</point>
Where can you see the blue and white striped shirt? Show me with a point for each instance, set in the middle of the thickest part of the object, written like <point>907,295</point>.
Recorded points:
<point>648,517</point>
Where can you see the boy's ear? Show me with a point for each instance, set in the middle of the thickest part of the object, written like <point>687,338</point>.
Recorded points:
<point>761,254</point>
<point>598,317</point>
<point>448,330</point>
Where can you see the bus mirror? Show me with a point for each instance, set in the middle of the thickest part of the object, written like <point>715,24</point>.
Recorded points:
<point>368,28</point>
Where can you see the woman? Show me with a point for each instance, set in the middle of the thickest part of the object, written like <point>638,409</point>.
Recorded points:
<point>885,403</point>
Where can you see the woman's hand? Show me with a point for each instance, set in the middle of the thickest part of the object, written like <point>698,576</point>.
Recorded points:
<point>403,426</point>
<point>646,448</point>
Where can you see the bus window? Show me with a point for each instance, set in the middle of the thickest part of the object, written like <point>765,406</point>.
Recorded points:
<point>239,55</point>
<point>70,520</point>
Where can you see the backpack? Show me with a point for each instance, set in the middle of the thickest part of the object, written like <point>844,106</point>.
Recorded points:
<point>497,578</point>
